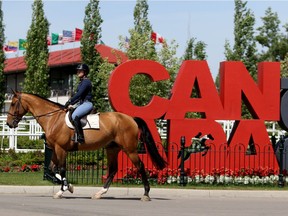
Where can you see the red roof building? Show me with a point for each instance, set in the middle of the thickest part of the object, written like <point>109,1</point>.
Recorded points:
<point>66,57</point>
<point>62,66</point>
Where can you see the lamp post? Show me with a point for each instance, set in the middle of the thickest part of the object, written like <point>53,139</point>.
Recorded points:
<point>183,177</point>
<point>281,150</point>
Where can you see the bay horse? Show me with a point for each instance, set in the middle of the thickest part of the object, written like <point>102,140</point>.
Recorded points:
<point>117,132</point>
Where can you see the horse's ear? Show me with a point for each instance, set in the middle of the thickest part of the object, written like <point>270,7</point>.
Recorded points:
<point>13,91</point>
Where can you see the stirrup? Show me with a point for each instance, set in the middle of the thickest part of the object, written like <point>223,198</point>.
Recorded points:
<point>81,141</point>
<point>76,139</point>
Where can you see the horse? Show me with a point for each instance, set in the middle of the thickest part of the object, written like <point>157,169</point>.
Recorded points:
<point>117,132</point>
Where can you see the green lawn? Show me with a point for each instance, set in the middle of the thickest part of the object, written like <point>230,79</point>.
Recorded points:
<point>23,178</point>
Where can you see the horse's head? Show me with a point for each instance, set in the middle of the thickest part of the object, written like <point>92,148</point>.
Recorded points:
<point>17,111</point>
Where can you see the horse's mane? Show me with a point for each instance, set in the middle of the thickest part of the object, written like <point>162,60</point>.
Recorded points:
<point>55,103</point>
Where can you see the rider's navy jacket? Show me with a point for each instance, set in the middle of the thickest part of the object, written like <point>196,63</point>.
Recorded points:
<point>84,92</point>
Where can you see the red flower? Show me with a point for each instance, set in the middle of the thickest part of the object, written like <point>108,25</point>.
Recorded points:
<point>35,167</point>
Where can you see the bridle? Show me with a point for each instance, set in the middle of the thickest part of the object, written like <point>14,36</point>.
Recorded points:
<point>17,117</point>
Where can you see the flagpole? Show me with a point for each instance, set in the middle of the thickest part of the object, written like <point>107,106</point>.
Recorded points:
<point>188,30</point>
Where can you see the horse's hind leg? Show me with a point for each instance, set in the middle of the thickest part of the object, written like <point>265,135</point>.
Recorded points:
<point>141,169</point>
<point>112,160</point>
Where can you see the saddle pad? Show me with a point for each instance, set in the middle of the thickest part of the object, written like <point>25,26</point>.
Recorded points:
<point>92,121</point>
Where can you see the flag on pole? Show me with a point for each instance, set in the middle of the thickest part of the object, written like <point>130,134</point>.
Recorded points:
<point>60,39</point>
<point>6,49</point>
<point>49,40</point>
<point>22,44</point>
<point>55,38</point>
<point>157,38</point>
<point>67,36</point>
<point>12,46</point>
<point>78,34</point>
<point>126,45</point>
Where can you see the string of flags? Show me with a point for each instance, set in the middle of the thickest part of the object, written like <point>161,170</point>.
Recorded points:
<point>67,37</point>
<point>155,37</point>
<point>55,39</point>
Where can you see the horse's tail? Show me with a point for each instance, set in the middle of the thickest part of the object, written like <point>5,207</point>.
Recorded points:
<point>147,138</point>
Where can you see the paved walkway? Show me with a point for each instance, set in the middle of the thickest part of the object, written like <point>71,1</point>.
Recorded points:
<point>159,192</point>
<point>119,201</point>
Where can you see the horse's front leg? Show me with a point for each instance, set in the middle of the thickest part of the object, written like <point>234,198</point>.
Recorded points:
<point>112,159</point>
<point>59,158</point>
<point>64,184</point>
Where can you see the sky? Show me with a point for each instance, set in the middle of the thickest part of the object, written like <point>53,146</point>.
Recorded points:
<point>209,21</point>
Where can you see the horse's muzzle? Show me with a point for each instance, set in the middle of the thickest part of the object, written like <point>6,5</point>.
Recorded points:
<point>14,124</point>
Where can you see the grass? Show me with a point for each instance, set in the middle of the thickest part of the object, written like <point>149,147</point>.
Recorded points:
<point>36,179</point>
<point>23,178</point>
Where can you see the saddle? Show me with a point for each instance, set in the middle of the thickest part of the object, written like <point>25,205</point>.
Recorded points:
<point>90,121</point>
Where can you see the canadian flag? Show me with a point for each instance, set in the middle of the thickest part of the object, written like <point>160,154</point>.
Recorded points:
<point>157,38</point>
<point>78,34</point>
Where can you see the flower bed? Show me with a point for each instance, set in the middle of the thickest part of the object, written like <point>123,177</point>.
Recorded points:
<point>244,176</point>
<point>24,168</point>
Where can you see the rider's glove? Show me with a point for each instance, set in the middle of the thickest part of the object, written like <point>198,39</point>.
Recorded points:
<point>67,104</point>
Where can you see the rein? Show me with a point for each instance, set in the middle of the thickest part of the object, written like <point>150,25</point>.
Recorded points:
<point>18,118</point>
<point>49,113</point>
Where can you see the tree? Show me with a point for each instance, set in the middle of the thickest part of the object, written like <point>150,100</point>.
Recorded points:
<point>90,38</point>
<point>105,70</point>
<point>2,59</point>
<point>271,39</point>
<point>244,48</point>
<point>37,53</point>
<point>274,43</point>
<point>141,47</point>
<point>195,50</point>
<point>284,67</point>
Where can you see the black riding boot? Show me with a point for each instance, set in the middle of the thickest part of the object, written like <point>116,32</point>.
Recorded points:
<point>79,131</point>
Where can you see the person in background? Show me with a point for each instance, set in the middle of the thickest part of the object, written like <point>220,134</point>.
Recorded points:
<point>83,97</point>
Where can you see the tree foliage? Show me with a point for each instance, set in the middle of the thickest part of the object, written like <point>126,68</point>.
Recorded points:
<point>142,47</point>
<point>2,59</point>
<point>273,41</point>
<point>195,50</point>
<point>105,70</point>
<point>90,38</point>
<point>37,54</point>
<point>269,36</point>
<point>244,48</point>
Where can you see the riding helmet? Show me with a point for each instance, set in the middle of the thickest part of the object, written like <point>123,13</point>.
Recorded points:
<point>83,67</point>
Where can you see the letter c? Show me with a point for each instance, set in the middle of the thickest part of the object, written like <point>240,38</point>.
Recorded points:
<point>118,88</point>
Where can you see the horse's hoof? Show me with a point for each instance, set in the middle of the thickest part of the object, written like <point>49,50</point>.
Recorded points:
<point>96,196</point>
<point>71,188</point>
<point>57,196</point>
<point>99,194</point>
<point>145,198</point>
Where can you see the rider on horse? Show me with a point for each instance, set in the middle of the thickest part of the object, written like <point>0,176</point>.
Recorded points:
<point>83,96</point>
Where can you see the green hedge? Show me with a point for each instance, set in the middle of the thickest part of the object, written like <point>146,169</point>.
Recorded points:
<point>11,158</point>
<point>23,142</point>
